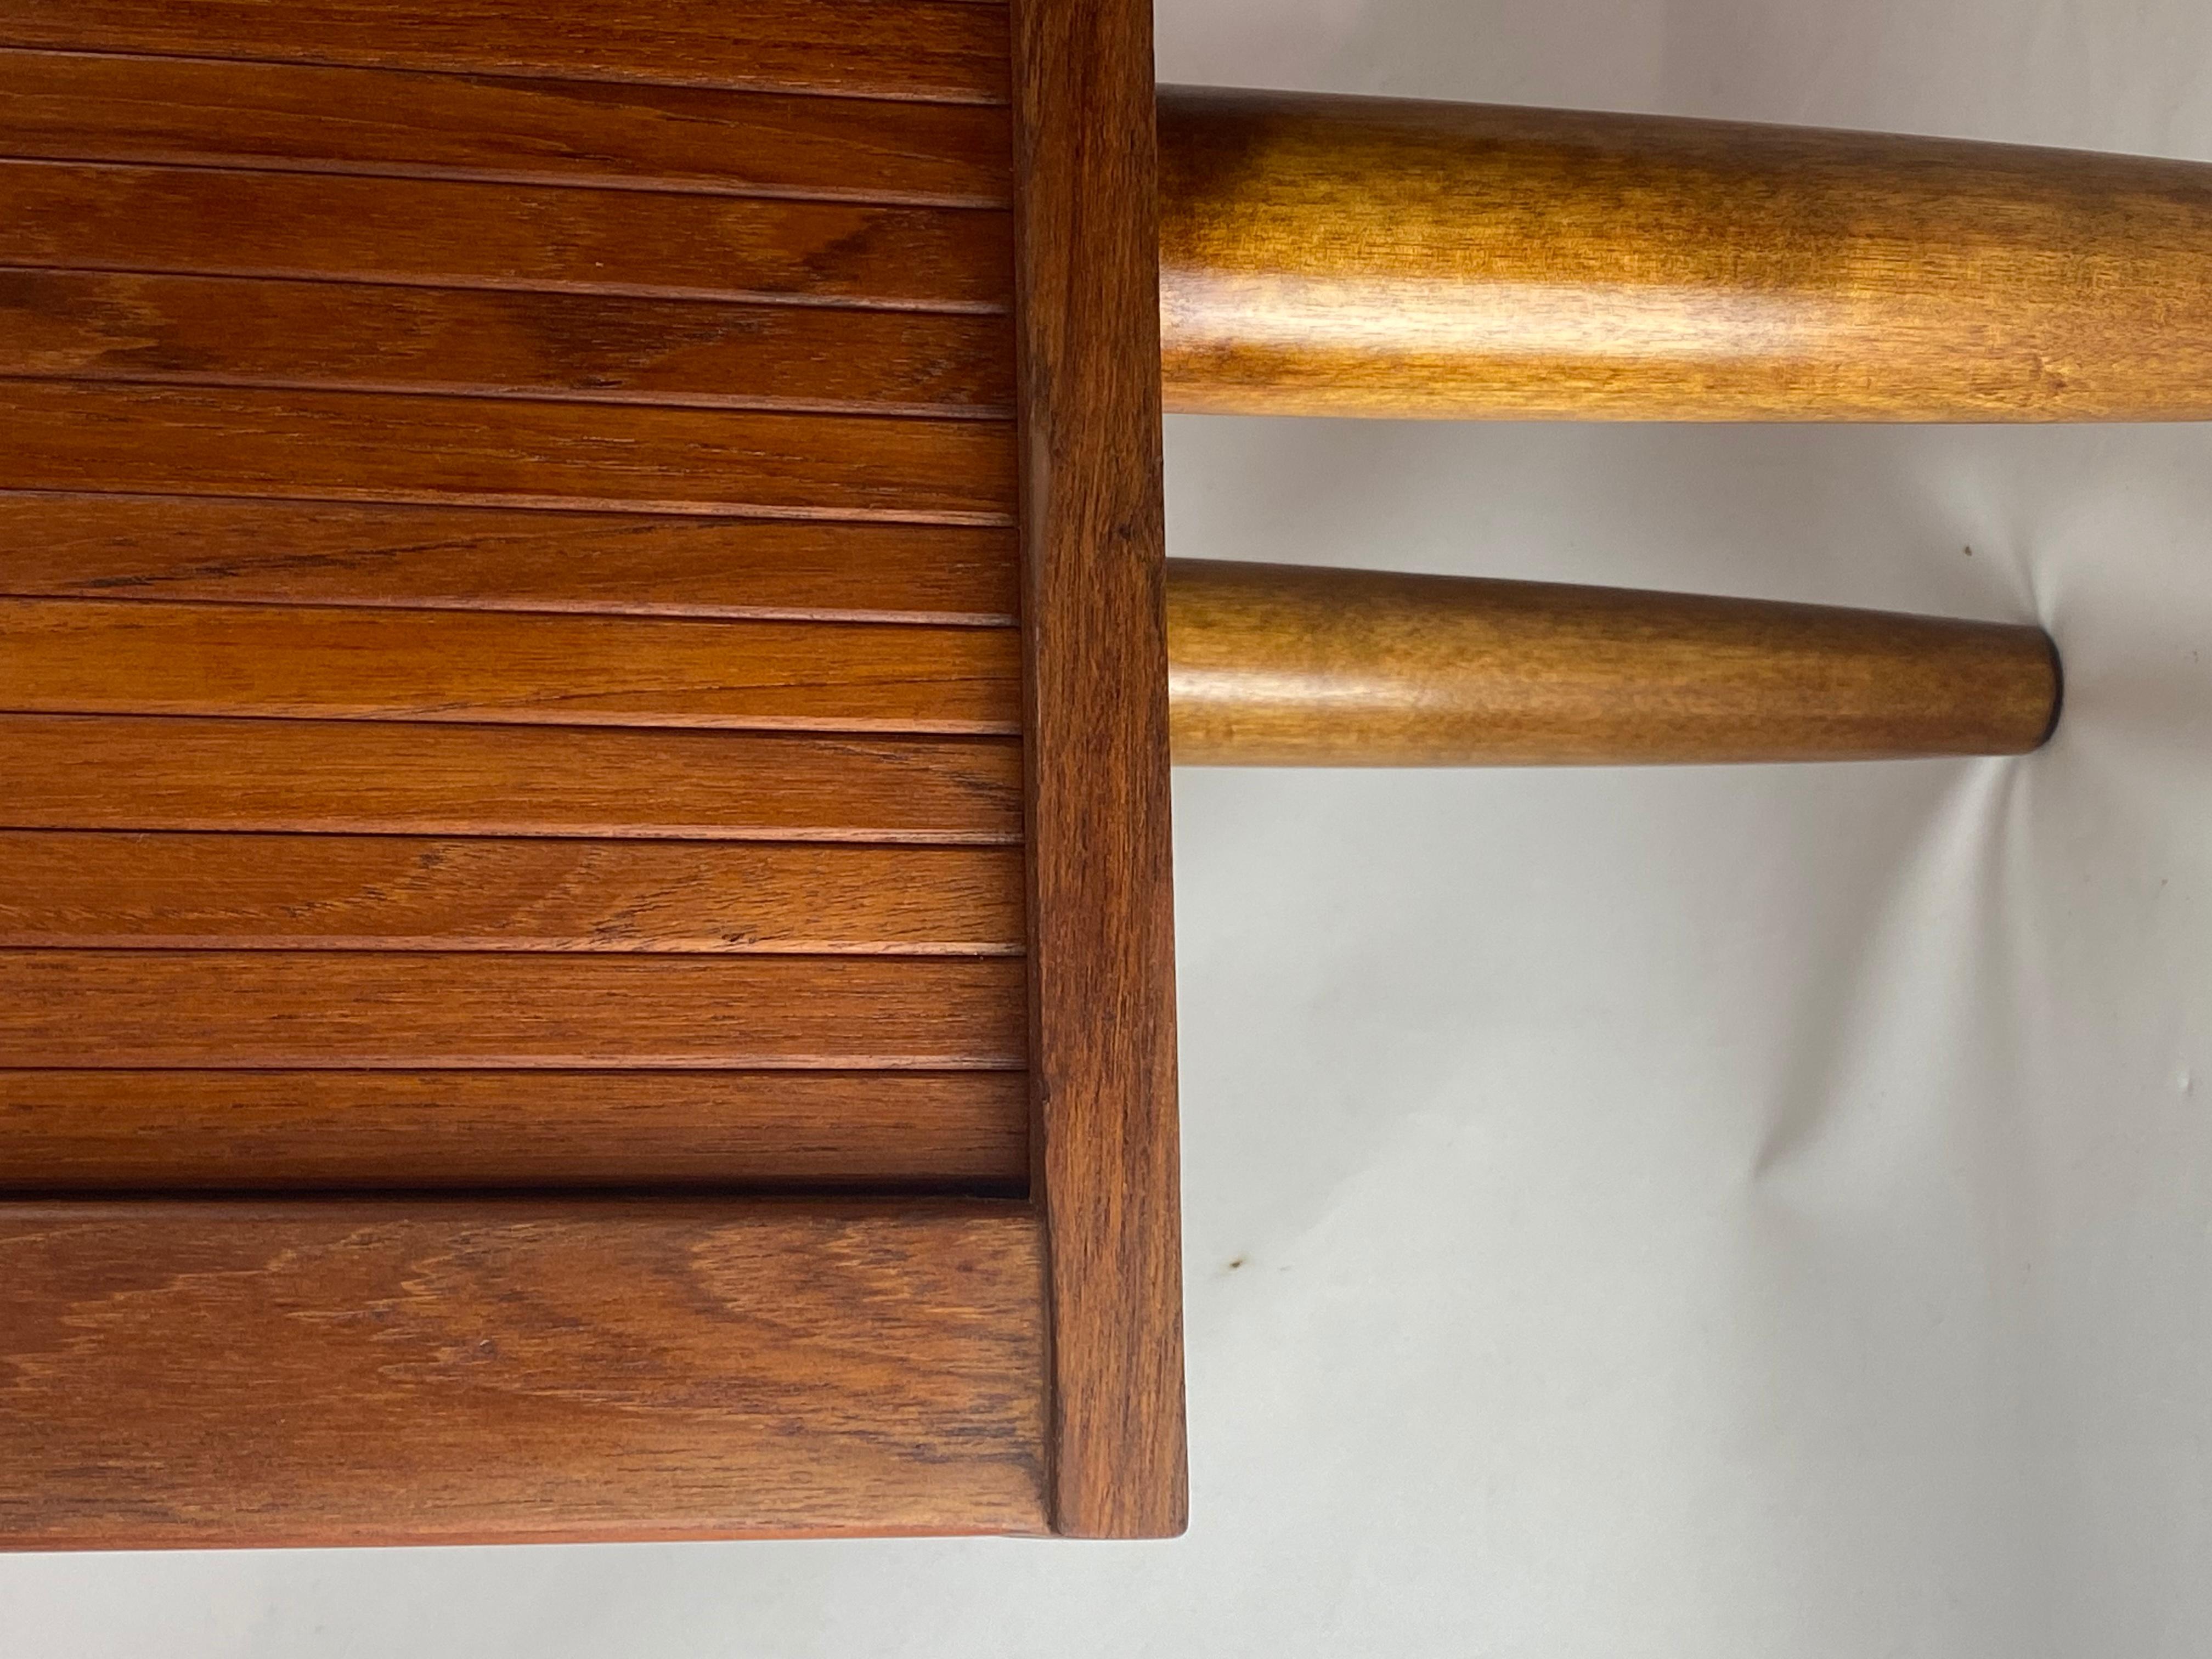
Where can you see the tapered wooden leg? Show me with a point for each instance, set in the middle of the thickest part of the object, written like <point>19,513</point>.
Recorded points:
<point>1341,256</point>
<point>1285,665</point>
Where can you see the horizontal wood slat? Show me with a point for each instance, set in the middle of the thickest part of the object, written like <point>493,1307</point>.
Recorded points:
<point>143,1131</point>
<point>90,107</point>
<point>440,232</point>
<point>950,50</point>
<point>375,447</point>
<point>471,558</point>
<point>135,656</point>
<point>400,1010</point>
<point>65,888</point>
<point>119,771</point>
<point>245,331</point>
<point>357,1372</point>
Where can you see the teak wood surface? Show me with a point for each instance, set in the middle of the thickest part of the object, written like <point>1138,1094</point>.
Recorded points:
<point>1102,948</point>
<point>585,348</point>
<point>130,656</point>
<point>1362,256</point>
<point>376,447</point>
<point>275,891</point>
<point>940,50</point>
<point>146,1130</point>
<point>97,106</point>
<point>416,1371</point>
<point>413,556</point>
<point>373,777</point>
<point>585,931</point>
<point>250,1010</point>
<point>1280,665</point>
<point>446,233</point>
<point>580,622</point>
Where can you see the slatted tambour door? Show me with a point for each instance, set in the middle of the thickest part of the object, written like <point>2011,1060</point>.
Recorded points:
<point>513,991</point>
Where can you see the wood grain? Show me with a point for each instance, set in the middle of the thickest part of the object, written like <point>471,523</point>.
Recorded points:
<point>240,332</point>
<point>398,1011</point>
<point>466,558</point>
<point>1101,912</point>
<point>1280,665</point>
<point>136,656</point>
<point>358,445</point>
<point>1348,256</point>
<point>62,887</point>
<point>449,234</point>
<point>424,1372</point>
<point>140,1132</point>
<point>78,106</point>
<point>122,772</point>
<point>950,50</point>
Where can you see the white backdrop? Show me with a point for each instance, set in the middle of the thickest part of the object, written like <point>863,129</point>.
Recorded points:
<point>1762,1213</point>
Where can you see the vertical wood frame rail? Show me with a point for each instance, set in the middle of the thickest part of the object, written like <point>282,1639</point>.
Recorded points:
<point>1101,925</point>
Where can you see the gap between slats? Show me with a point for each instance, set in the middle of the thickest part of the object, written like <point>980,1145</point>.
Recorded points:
<point>81,106</point>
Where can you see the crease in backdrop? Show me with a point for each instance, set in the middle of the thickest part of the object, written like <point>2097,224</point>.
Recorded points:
<point>1756,1214</point>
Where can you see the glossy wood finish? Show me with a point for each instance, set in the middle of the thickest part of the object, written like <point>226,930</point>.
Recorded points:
<point>135,656</point>
<point>218,331</point>
<point>138,1132</point>
<point>1101,908</point>
<point>127,772</point>
<point>78,889</point>
<point>355,446</point>
<point>1344,256</point>
<point>383,1009</point>
<point>264,552</point>
<point>440,232</point>
<point>418,1372</point>
<point>86,106</point>
<point>1278,665</point>
<point>406,403</point>
<point>949,51</point>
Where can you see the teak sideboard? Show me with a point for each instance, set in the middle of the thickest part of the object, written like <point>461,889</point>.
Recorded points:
<point>588,673</point>
<point>585,867</point>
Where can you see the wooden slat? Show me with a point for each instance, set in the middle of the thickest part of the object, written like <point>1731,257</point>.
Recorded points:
<point>168,1131</point>
<point>1101,917</point>
<point>443,233</point>
<point>136,656</point>
<point>402,892</point>
<point>244,332</point>
<point>950,50</point>
<point>358,445</point>
<point>351,1372</point>
<point>326,553</point>
<point>117,772</point>
<point>88,107</point>
<point>383,1011</point>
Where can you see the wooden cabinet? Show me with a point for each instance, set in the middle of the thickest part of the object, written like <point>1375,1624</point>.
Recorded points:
<point>584,895</point>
